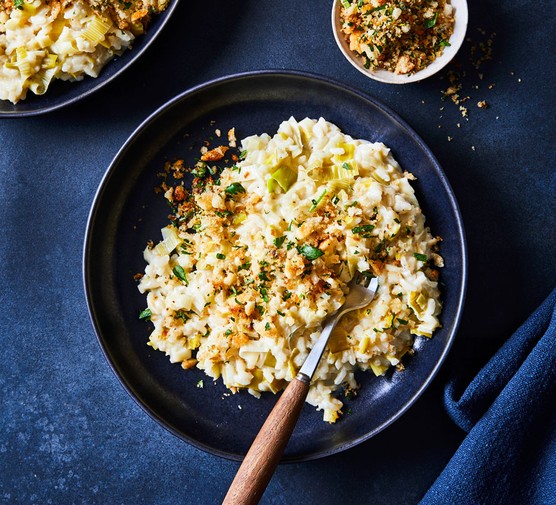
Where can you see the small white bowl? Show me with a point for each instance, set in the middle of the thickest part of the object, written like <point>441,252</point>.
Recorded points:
<point>456,40</point>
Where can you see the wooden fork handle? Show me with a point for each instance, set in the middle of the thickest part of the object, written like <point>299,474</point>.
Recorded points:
<point>259,464</point>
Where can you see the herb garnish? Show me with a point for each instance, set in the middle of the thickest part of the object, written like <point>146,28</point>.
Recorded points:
<point>420,257</point>
<point>145,314</point>
<point>278,241</point>
<point>234,189</point>
<point>429,23</point>
<point>263,294</point>
<point>179,272</point>
<point>364,230</point>
<point>310,252</point>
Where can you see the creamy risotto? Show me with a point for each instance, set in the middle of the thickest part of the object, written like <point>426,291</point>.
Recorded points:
<point>255,261</point>
<point>64,39</point>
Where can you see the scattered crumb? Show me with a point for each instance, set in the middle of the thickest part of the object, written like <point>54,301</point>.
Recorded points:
<point>239,407</point>
<point>232,137</point>
<point>473,147</point>
<point>217,132</point>
<point>200,384</point>
<point>449,138</point>
<point>458,79</point>
<point>214,154</point>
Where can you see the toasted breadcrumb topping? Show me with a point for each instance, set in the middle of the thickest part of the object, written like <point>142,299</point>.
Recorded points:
<point>401,36</point>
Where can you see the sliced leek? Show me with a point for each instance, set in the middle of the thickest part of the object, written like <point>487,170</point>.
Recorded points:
<point>379,367</point>
<point>284,177</point>
<point>170,241</point>
<point>96,30</point>
<point>23,62</point>
<point>42,80</point>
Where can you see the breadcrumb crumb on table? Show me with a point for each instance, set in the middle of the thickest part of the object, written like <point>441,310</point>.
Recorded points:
<point>215,154</point>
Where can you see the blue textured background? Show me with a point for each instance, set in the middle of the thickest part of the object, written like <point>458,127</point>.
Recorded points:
<point>69,431</point>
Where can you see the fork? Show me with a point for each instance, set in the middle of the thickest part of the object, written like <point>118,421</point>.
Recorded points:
<point>261,460</point>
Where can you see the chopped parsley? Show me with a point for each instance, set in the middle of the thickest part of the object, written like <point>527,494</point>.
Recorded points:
<point>267,326</point>
<point>145,314</point>
<point>310,252</point>
<point>364,231</point>
<point>420,257</point>
<point>234,189</point>
<point>180,314</point>
<point>429,23</point>
<point>221,256</point>
<point>179,272</point>
<point>278,241</point>
<point>264,294</point>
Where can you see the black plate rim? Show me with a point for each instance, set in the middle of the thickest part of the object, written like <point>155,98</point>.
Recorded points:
<point>87,251</point>
<point>134,56</point>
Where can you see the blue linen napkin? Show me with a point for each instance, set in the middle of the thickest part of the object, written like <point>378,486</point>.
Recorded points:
<point>509,411</point>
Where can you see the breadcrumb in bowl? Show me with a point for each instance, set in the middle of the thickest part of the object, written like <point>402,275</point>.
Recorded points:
<point>368,52</point>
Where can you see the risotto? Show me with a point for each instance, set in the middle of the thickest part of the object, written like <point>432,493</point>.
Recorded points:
<point>64,39</point>
<point>255,261</point>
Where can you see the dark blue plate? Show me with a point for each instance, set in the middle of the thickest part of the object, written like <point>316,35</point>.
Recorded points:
<point>62,93</point>
<point>127,213</point>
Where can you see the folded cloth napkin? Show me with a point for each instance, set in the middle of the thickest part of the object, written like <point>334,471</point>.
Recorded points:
<point>509,411</point>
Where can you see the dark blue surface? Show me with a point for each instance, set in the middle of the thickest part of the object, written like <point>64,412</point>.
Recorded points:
<point>70,432</point>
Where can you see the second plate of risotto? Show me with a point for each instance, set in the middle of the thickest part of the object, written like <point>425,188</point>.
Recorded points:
<point>227,230</point>
<point>54,53</point>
